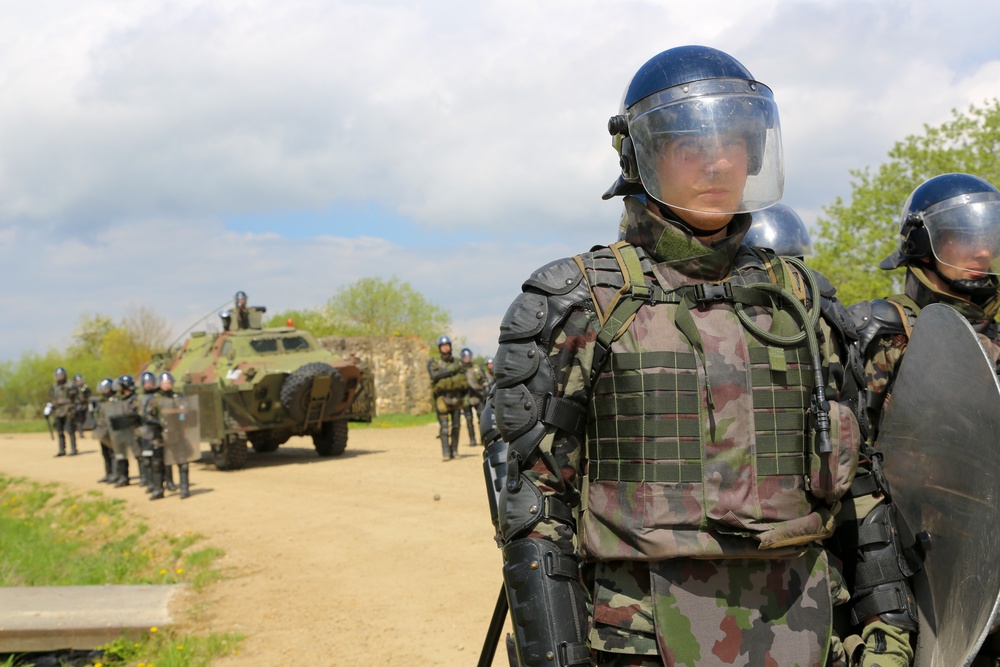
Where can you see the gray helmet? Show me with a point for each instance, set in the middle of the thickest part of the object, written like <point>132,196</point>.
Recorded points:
<point>126,383</point>
<point>443,340</point>
<point>697,109</point>
<point>466,354</point>
<point>780,229</point>
<point>106,386</point>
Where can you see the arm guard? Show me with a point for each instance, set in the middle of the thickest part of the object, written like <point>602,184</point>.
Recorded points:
<point>547,599</point>
<point>883,569</point>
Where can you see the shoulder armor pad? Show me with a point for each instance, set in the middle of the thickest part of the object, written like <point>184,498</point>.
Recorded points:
<point>558,277</point>
<point>525,317</point>
<point>875,319</point>
<point>826,288</point>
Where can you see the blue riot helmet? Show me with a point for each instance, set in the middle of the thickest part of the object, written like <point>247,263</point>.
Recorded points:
<point>59,373</point>
<point>106,386</point>
<point>466,355</point>
<point>148,381</point>
<point>694,109</point>
<point>953,220</point>
<point>166,379</point>
<point>780,229</point>
<point>443,340</point>
<point>126,383</point>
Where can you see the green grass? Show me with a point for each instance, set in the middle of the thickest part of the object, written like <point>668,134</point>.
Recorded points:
<point>398,420</point>
<point>22,426</point>
<point>49,537</point>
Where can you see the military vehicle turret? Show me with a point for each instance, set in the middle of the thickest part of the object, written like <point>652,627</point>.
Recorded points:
<point>267,385</point>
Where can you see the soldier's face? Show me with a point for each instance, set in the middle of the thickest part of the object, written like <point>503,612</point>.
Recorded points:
<point>166,385</point>
<point>445,349</point>
<point>962,257</point>
<point>702,178</point>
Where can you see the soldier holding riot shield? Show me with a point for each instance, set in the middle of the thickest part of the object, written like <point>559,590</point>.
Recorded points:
<point>174,418</point>
<point>123,419</point>
<point>950,247</point>
<point>102,430</point>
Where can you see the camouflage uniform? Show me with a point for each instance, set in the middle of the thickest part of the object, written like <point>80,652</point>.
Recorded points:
<point>473,399</point>
<point>676,461</point>
<point>64,395</point>
<point>103,435</point>
<point>449,385</point>
<point>82,406</point>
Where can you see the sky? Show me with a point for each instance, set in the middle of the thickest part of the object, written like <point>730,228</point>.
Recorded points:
<point>171,153</point>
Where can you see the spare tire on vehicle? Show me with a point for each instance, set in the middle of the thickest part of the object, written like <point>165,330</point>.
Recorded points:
<point>296,391</point>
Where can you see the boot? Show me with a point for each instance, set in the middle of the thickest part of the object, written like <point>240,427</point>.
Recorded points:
<point>109,475</point>
<point>168,478</point>
<point>62,443</point>
<point>185,485</point>
<point>145,476</point>
<point>454,444</point>
<point>72,443</point>
<point>122,478</point>
<point>445,449</point>
<point>157,480</point>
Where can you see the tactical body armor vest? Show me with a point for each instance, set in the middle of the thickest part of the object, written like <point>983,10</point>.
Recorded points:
<point>700,438</point>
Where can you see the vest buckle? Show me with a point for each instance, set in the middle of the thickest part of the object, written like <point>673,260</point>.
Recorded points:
<point>710,293</point>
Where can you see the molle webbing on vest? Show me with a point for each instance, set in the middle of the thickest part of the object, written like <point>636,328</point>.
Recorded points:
<point>645,425</point>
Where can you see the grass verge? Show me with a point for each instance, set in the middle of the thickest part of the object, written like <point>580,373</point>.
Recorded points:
<point>49,537</point>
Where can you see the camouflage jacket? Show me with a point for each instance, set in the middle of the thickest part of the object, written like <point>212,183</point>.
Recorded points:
<point>476,379</point>
<point>83,395</point>
<point>63,396</point>
<point>665,556</point>
<point>885,326</point>
<point>447,376</point>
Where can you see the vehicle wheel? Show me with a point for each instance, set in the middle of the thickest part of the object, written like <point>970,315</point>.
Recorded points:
<point>231,453</point>
<point>297,388</point>
<point>332,438</point>
<point>267,441</point>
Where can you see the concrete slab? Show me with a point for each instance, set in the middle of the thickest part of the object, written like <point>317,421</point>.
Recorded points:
<point>50,618</point>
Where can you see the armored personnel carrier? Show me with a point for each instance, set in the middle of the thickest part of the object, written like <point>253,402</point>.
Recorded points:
<point>264,386</point>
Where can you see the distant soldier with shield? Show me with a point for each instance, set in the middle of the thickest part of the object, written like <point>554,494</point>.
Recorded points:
<point>175,420</point>
<point>102,430</point>
<point>123,419</point>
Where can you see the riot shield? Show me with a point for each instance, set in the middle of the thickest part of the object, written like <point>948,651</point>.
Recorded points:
<point>181,435</point>
<point>940,437</point>
<point>122,421</point>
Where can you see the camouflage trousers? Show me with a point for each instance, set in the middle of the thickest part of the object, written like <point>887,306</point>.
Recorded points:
<point>710,613</point>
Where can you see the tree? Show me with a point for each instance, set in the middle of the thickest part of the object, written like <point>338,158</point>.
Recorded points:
<point>377,307</point>
<point>855,236</point>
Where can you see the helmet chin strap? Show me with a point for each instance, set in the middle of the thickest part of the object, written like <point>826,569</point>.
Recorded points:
<point>980,288</point>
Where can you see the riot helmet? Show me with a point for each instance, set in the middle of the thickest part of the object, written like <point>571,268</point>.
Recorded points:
<point>78,379</point>
<point>489,363</point>
<point>126,384</point>
<point>443,340</point>
<point>59,373</point>
<point>241,300</point>
<point>697,132</point>
<point>166,379</point>
<point>466,355</point>
<point>106,386</point>
<point>951,224</point>
<point>779,228</point>
<point>148,381</point>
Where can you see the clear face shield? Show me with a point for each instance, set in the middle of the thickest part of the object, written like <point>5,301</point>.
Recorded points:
<point>964,234</point>
<point>710,146</point>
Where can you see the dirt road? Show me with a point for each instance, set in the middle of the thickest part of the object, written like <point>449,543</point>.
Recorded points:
<point>340,561</point>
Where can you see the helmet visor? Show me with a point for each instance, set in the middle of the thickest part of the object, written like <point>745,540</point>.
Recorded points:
<point>709,146</point>
<point>965,233</point>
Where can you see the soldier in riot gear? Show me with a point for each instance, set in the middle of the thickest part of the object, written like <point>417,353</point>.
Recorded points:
<point>474,394</point>
<point>950,247</point>
<point>145,433</point>
<point>490,378</point>
<point>780,229</point>
<point>240,314</point>
<point>63,396</point>
<point>449,384</point>
<point>675,416</point>
<point>172,446</point>
<point>82,407</point>
<point>102,431</point>
<point>123,418</point>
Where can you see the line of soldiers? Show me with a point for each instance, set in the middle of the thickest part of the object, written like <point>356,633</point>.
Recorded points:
<point>148,427</point>
<point>459,387</point>
<point>682,450</point>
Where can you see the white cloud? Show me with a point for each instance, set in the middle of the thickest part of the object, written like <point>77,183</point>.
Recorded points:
<point>129,130</point>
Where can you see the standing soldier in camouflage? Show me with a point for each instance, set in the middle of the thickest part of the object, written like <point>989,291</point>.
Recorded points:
<point>676,428</point>
<point>474,395</point>
<point>449,385</point>
<point>63,397</point>
<point>950,246</point>
<point>82,407</point>
<point>102,431</point>
<point>123,418</point>
<point>145,434</point>
<point>166,414</point>
<point>491,380</point>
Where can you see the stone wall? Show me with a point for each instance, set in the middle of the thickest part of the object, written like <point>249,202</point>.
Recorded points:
<point>399,364</point>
